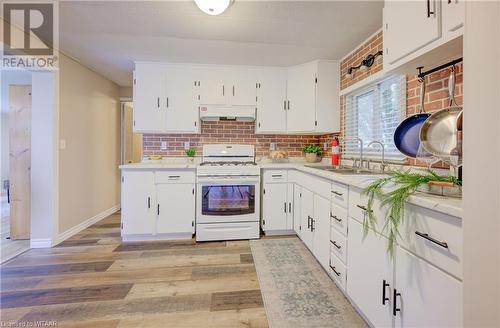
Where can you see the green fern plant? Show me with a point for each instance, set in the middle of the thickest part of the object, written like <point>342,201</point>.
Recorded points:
<point>190,152</point>
<point>394,200</point>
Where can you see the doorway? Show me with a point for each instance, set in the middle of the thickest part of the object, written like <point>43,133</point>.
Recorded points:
<point>16,202</point>
<point>131,142</point>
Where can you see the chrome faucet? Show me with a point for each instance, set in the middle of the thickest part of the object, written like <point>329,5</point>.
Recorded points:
<point>382,162</point>
<point>360,141</point>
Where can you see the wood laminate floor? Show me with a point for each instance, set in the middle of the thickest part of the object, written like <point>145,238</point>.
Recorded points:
<point>9,248</point>
<point>95,280</point>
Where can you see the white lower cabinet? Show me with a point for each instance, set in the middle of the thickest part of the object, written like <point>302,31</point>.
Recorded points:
<point>138,211</point>
<point>297,214</point>
<point>175,208</point>
<point>425,295</point>
<point>157,204</point>
<point>370,272</point>
<point>277,203</point>
<point>321,231</point>
<point>306,216</point>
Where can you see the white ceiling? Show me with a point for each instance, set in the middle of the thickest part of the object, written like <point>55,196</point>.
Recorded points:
<point>109,35</point>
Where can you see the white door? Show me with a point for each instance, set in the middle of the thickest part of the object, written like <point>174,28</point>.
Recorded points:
<point>307,213</point>
<point>242,87</point>
<point>290,205</point>
<point>301,103</point>
<point>213,90</point>
<point>453,15</point>
<point>175,208</point>
<point>149,99</point>
<point>275,206</point>
<point>321,231</point>
<point>297,215</point>
<point>138,202</point>
<point>368,268</point>
<point>271,101</point>
<point>181,100</point>
<point>409,26</point>
<point>428,297</point>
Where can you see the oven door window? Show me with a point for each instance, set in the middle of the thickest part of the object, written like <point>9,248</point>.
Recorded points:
<point>228,200</point>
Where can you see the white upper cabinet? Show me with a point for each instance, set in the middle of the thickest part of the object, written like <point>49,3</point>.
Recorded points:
<point>271,101</point>
<point>212,86</point>
<point>409,26</point>
<point>313,98</point>
<point>149,93</point>
<point>181,102</point>
<point>453,15</point>
<point>301,93</point>
<point>242,87</point>
<point>421,33</point>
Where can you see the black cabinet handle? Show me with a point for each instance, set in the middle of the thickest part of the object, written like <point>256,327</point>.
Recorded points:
<point>158,210</point>
<point>288,104</point>
<point>336,245</point>
<point>285,207</point>
<point>384,287</point>
<point>337,193</point>
<point>276,175</point>
<point>395,308</point>
<point>174,176</point>
<point>158,101</point>
<point>364,208</point>
<point>335,271</point>
<point>309,222</point>
<point>222,90</point>
<point>149,202</point>
<point>167,102</point>
<point>429,238</point>
<point>429,12</point>
<point>233,90</point>
<point>290,207</point>
<point>312,225</point>
<point>335,217</point>
<point>284,104</point>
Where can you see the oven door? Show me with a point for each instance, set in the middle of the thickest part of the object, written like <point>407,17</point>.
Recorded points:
<point>228,199</point>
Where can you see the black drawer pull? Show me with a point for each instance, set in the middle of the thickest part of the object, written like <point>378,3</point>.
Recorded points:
<point>335,217</point>
<point>384,286</point>
<point>277,175</point>
<point>336,245</point>
<point>174,176</point>
<point>285,207</point>
<point>335,271</point>
<point>429,238</point>
<point>149,202</point>
<point>290,207</point>
<point>364,208</point>
<point>312,225</point>
<point>395,308</point>
<point>309,222</point>
<point>337,193</point>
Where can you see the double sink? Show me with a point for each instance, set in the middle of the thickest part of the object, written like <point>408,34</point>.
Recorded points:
<point>345,170</point>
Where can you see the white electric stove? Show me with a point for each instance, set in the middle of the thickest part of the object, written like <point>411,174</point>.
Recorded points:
<point>228,198</point>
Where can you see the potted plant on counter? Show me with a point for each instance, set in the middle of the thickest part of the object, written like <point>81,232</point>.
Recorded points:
<point>313,153</point>
<point>190,154</point>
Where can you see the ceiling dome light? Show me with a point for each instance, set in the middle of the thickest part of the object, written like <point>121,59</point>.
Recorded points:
<point>213,7</point>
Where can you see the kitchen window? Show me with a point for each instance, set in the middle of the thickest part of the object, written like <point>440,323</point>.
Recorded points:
<point>373,114</point>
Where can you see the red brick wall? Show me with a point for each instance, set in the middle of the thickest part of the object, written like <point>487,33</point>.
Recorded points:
<point>225,132</point>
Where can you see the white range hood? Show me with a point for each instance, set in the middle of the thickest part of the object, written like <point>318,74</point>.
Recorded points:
<point>227,113</point>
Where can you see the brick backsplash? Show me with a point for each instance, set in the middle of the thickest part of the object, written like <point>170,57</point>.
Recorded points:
<point>225,132</point>
<point>244,132</point>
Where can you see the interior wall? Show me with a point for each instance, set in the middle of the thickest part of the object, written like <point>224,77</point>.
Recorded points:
<point>8,78</point>
<point>481,222</point>
<point>90,128</point>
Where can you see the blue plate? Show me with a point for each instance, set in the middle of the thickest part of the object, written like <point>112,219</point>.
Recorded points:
<point>407,134</point>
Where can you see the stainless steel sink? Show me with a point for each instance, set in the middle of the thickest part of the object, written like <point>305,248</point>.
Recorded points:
<point>344,170</point>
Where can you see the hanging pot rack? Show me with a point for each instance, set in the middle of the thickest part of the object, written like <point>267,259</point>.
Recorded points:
<point>421,74</point>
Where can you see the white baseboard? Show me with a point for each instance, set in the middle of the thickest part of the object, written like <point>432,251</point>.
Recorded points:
<point>41,243</point>
<point>85,224</point>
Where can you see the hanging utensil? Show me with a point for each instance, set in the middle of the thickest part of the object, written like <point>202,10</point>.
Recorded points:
<point>438,134</point>
<point>407,134</point>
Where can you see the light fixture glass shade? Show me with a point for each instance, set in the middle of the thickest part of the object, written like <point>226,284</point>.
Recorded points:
<point>213,7</point>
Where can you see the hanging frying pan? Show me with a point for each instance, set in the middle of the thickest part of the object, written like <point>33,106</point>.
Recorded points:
<point>407,134</point>
<point>439,133</point>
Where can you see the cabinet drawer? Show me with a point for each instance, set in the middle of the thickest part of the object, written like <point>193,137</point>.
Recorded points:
<point>337,271</point>
<point>175,177</point>
<point>358,208</point>
<point>434,236</point>
<point>338,219</point>
<point>339,194</point>
<point>338,245</point>
<point>271,176</point>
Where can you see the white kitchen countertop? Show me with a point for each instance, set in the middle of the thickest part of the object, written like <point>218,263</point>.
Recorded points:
<point>448,205</point>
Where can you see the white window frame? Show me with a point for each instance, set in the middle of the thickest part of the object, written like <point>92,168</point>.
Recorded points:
<point>352,146</point>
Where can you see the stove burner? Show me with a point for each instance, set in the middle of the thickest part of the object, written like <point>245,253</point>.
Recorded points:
<point>228,163</point>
